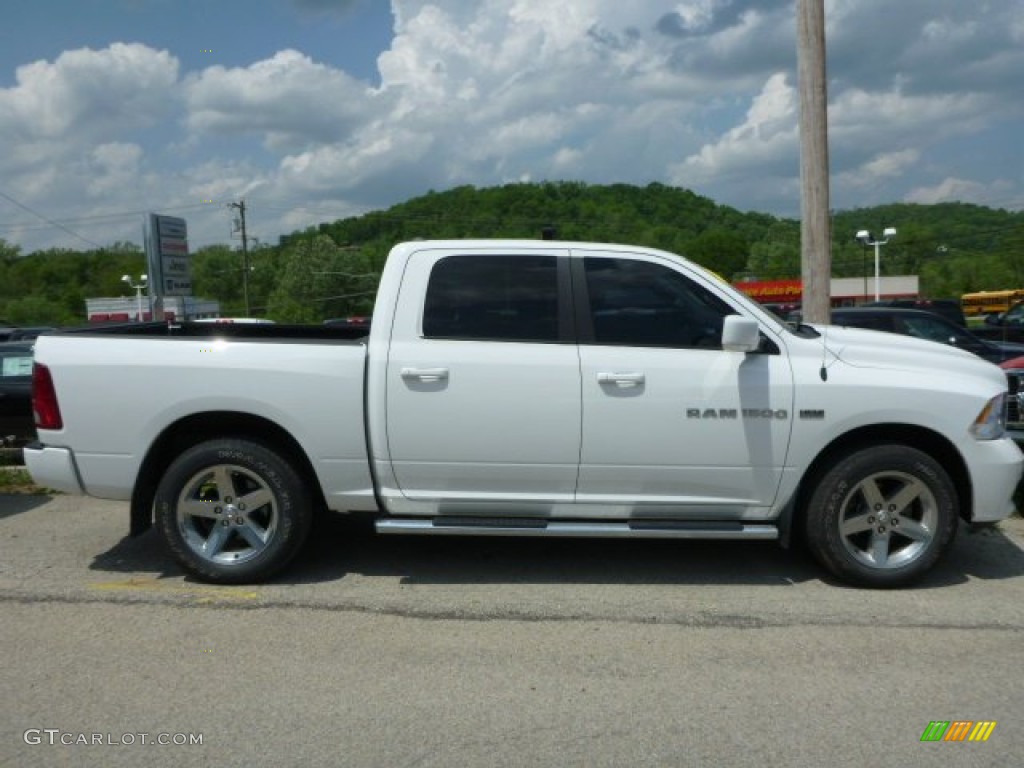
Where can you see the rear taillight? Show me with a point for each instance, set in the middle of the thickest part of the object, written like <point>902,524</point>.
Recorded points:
<point>44,399</point>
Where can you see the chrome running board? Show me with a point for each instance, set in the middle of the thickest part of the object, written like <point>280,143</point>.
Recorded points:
<point>633,529</point>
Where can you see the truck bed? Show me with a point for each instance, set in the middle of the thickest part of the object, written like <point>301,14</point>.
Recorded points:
<point>248,331</point>
<point>130,390</point>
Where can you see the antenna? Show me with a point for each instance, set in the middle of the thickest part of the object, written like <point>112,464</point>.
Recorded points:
<point>824,350</point>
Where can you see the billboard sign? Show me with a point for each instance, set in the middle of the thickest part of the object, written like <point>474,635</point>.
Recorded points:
<point>170,269</point>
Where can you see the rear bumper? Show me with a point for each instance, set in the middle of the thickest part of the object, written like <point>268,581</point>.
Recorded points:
<point>53,468</point>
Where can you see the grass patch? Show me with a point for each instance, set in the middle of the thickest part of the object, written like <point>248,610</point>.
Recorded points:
<point>18,480</point>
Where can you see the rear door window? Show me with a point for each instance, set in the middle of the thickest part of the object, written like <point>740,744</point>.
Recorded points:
<point>497,298</point>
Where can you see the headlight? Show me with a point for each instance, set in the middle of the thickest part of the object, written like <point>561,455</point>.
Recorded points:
<point>990,424</point>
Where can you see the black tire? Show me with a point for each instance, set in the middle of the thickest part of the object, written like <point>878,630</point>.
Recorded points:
<point>232,511</point>
<point>882,516</point>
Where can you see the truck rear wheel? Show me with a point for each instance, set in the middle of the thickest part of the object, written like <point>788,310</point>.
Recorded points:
<point>882,516</point>
<point>232,511</point>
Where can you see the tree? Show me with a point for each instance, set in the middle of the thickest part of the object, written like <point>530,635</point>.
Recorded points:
<point>318,279</point>
<point>8,252</point>
<point>36,310</point>
<point>718,249</point>
<point>217,274</point>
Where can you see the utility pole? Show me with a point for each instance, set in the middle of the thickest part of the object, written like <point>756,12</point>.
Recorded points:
<point>815,234</point>
<point>240,205</point>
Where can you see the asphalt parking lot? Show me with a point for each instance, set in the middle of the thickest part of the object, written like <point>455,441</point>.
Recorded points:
<point>426,651</point>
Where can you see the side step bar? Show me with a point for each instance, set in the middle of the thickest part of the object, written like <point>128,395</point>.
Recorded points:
<point>633,529</point>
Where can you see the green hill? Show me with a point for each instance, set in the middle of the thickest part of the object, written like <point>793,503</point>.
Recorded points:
<point>330,270</point>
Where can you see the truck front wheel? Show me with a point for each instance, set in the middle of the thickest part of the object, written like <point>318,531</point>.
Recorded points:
<point>882,516</point>
<point>232,511</point>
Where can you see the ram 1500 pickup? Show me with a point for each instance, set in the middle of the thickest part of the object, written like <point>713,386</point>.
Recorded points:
<point>531,388</point>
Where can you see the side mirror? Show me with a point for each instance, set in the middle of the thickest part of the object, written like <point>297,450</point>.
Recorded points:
<point>993,319</point>
<point>740,334</point>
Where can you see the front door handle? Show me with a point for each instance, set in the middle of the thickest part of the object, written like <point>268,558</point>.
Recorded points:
<point>427,375</point>
<point>622,380</point>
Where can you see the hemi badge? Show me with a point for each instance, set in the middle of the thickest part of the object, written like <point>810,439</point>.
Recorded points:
<point>812,414</point>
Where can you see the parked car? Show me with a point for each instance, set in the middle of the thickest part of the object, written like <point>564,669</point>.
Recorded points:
<point>1004,326</point>
<point>947,308</point>
<point>17,425</point>
<point>782,311</point>
<point>356,322</point>
<point>924,325</point>
<point>240,320</point>
<point>24,334</point>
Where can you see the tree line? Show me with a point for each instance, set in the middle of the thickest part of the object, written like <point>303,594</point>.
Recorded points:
<point>331,270</point>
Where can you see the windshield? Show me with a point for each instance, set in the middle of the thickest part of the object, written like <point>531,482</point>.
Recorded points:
<point>1015,315</point>
<point>936,329</point>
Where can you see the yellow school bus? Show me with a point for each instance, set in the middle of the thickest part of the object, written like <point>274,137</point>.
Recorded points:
<point>989,302</point>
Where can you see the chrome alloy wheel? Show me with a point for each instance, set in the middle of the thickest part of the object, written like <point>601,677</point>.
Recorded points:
<point>888,519</point>
<point>227,514</point>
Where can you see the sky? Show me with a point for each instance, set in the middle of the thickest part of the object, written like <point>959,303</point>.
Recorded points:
<point>314,110</point>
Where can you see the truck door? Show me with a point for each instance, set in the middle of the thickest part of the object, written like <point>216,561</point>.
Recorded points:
<point>673,426</point>
<point>483,385</point>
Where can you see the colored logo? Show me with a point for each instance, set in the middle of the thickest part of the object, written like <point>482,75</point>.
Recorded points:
<point>958,730</point>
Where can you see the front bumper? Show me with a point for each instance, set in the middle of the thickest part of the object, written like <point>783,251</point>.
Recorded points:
<point>996,467</point>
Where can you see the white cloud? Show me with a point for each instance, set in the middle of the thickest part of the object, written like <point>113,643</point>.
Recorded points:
<point>878,116</point>
<point>62,125</point>
<point>963,190</point>
<point>886,165</point>
<point>946,31</point>
<point>695,15</point>
<point>567,158</point>
<point>288,99</point>
<point>113,167</point>
<point>302,216</point>
<point>219,180</point>
<point>371,158</point>
<point>765,143</point>
<point>87,94</point>
<point>700,93</point>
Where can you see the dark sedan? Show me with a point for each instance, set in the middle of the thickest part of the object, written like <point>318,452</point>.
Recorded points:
<point>924,325</point>
<point>17,425</point>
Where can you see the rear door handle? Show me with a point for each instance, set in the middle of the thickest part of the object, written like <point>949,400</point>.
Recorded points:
<point>622,380</point>
<point>427,375</point>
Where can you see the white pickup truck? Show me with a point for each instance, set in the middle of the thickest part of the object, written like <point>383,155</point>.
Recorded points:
<point>531,388</point>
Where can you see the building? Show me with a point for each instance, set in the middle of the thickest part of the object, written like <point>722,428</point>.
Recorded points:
<point>844,291</point>
<point>125,309</point>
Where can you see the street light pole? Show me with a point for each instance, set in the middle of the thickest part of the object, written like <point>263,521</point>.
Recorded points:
<point>866,238</point>
<point>139,286</point>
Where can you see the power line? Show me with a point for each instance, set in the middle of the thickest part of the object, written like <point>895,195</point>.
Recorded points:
<point>51,222</point>
<point>105,216</point>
